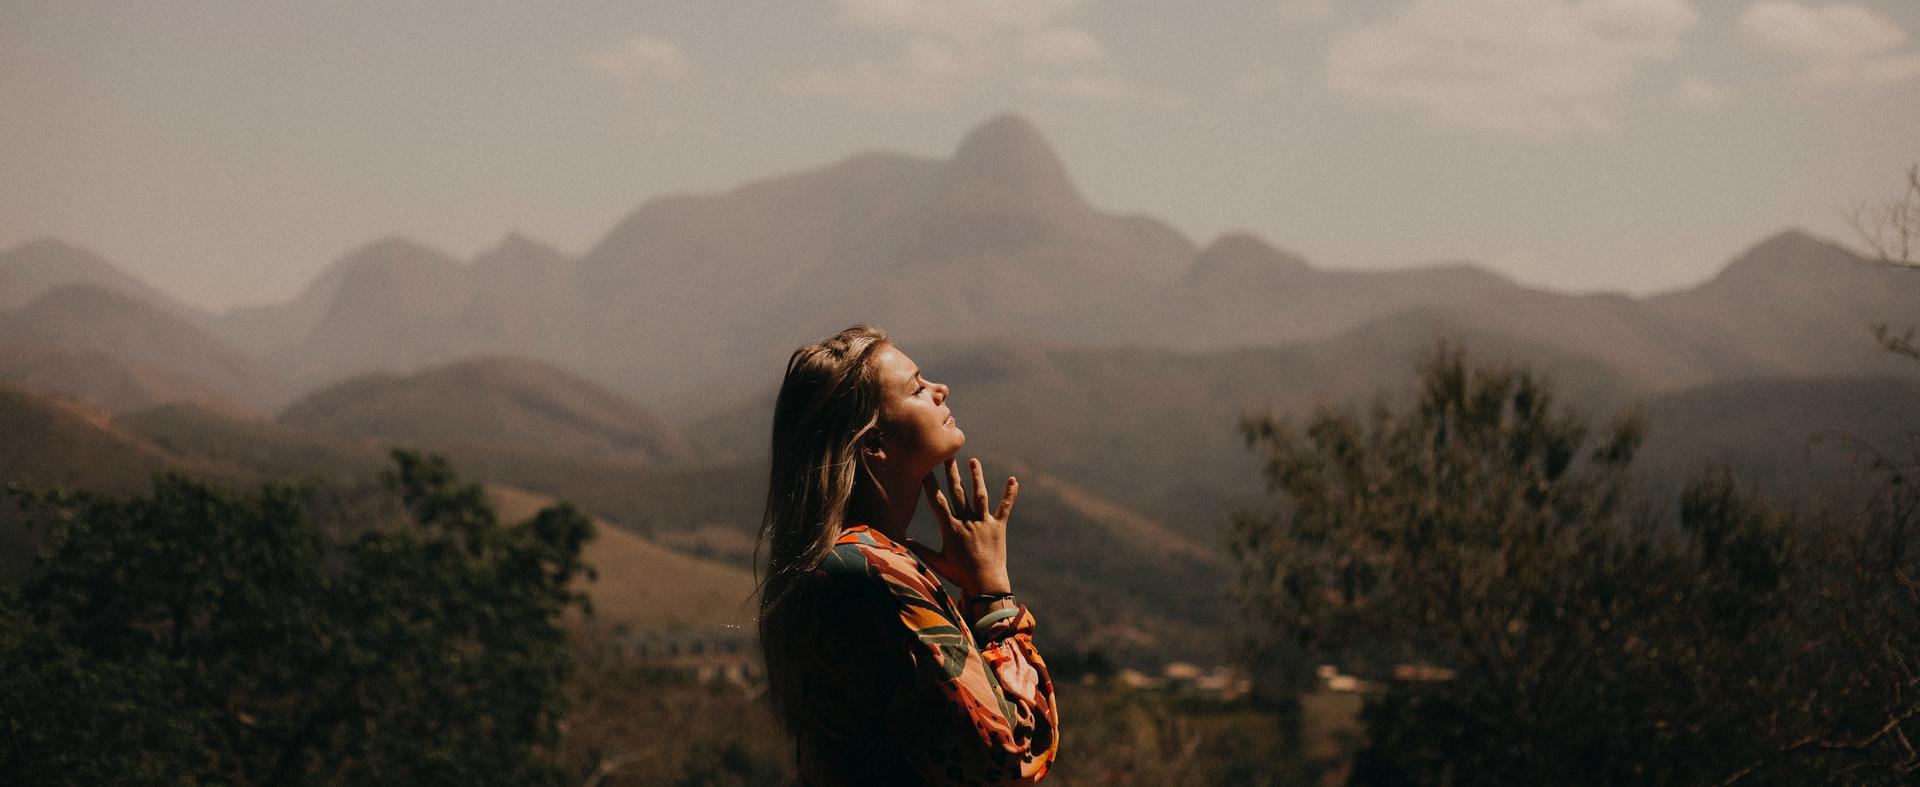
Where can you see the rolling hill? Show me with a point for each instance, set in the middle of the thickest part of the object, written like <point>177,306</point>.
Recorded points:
<point>510,403</point>
<point>123,353</point>
<point>31,269</point>
<point>643,586</point>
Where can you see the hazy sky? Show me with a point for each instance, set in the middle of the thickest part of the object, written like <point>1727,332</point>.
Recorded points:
<point>228,151</point>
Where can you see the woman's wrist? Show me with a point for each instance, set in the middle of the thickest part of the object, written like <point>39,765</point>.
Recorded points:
<point>993,585</point>
<point>983,604</point>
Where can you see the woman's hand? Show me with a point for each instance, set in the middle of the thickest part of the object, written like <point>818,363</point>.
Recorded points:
<point>973,540</point>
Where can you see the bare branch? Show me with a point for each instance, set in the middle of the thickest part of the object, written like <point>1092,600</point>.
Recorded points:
<point>1892,230</point>
<point>1897,343</point>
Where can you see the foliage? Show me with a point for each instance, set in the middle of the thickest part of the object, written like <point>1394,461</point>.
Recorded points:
<point>198,635</point>
<point>1120,735</point>
<point>1570,638</point>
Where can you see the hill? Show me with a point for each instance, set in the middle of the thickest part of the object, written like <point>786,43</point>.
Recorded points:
<point>1798,305</point>
<point>513,403</point>
<point>33,268</point>
<point>124,353</point>
<point>52,443</point>
<point>1793,438</point>
<point>643,586</point>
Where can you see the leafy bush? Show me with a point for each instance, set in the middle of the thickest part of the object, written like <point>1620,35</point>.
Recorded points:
<point>1546,632</point>
<point>202,636</point>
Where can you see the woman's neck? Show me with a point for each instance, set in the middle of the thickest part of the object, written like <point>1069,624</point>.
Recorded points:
<point>887,508</point>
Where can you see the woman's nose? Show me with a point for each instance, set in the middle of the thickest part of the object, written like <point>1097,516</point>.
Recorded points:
<point>940,391</point>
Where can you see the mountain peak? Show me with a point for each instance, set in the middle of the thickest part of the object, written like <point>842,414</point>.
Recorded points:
<point>1243,258</point>
<point>34,267</point>
<point>1006,166</point>
<point>89,297</point>
<point>46,245</point>
<point>516,246</point>
<point>51,255</point>
<point>1791,241</point>
<point>1007,136</point>
<point>395,248</point>
<point>1786,252</point>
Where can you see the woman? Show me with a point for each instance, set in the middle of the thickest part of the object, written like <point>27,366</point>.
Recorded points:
<point>869,660</point>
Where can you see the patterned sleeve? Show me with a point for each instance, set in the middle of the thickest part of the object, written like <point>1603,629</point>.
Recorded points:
<point>981,708</point>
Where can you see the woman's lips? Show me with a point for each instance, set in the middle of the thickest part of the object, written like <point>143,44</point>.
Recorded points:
<point>949,420</point>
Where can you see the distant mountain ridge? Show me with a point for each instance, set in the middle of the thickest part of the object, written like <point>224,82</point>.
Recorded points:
<point>692,293</point>
<point>691,302</point>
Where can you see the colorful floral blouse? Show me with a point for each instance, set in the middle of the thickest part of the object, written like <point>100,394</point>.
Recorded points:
<point>902,695</point>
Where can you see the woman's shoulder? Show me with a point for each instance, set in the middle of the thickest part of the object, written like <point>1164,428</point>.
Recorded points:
<point>862,555</point>
<point>861,551</point>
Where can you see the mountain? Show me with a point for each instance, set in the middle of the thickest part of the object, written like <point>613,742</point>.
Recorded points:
<point>1792,438</point>
<point>502,402</point>
<point>1241,291</point>
<point>1796,304</point>
<point>31,269</point>
<point>993,241</point>
<point>397,305</point>
<point>691,295</point>
<point>124,353</point>
<point>393,306</point>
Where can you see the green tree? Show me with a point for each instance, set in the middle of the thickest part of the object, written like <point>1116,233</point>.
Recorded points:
<point>1566,636</point>
<point>198,635</point>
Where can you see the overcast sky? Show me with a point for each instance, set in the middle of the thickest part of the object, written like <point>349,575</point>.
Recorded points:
<point>228,151</point>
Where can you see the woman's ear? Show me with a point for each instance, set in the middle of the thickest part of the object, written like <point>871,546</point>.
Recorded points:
<point>873,448</point>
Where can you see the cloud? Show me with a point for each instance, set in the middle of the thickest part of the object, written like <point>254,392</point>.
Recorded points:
<point>938,51</point>
<point>1842,45</point>
<point>1535,69</point>
<point>641,61</point>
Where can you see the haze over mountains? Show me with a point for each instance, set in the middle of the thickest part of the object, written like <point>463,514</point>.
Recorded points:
<point>696,293</point>
<point>1107,357</point>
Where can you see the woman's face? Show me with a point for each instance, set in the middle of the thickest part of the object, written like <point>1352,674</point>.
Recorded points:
<point>917,431</point>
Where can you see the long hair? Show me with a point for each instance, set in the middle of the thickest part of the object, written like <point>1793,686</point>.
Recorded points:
<point>829,402</point>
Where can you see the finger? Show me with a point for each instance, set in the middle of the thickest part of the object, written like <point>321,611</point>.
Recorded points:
<point>1006,501</point>
<point>979,486</point>
<point>937,502</point>
<point>953,481</point>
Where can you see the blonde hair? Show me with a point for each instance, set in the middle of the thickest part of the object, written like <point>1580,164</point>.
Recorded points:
<point>829,402</point>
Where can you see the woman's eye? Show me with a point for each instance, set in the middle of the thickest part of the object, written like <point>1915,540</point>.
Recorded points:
<point>916,391</point>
